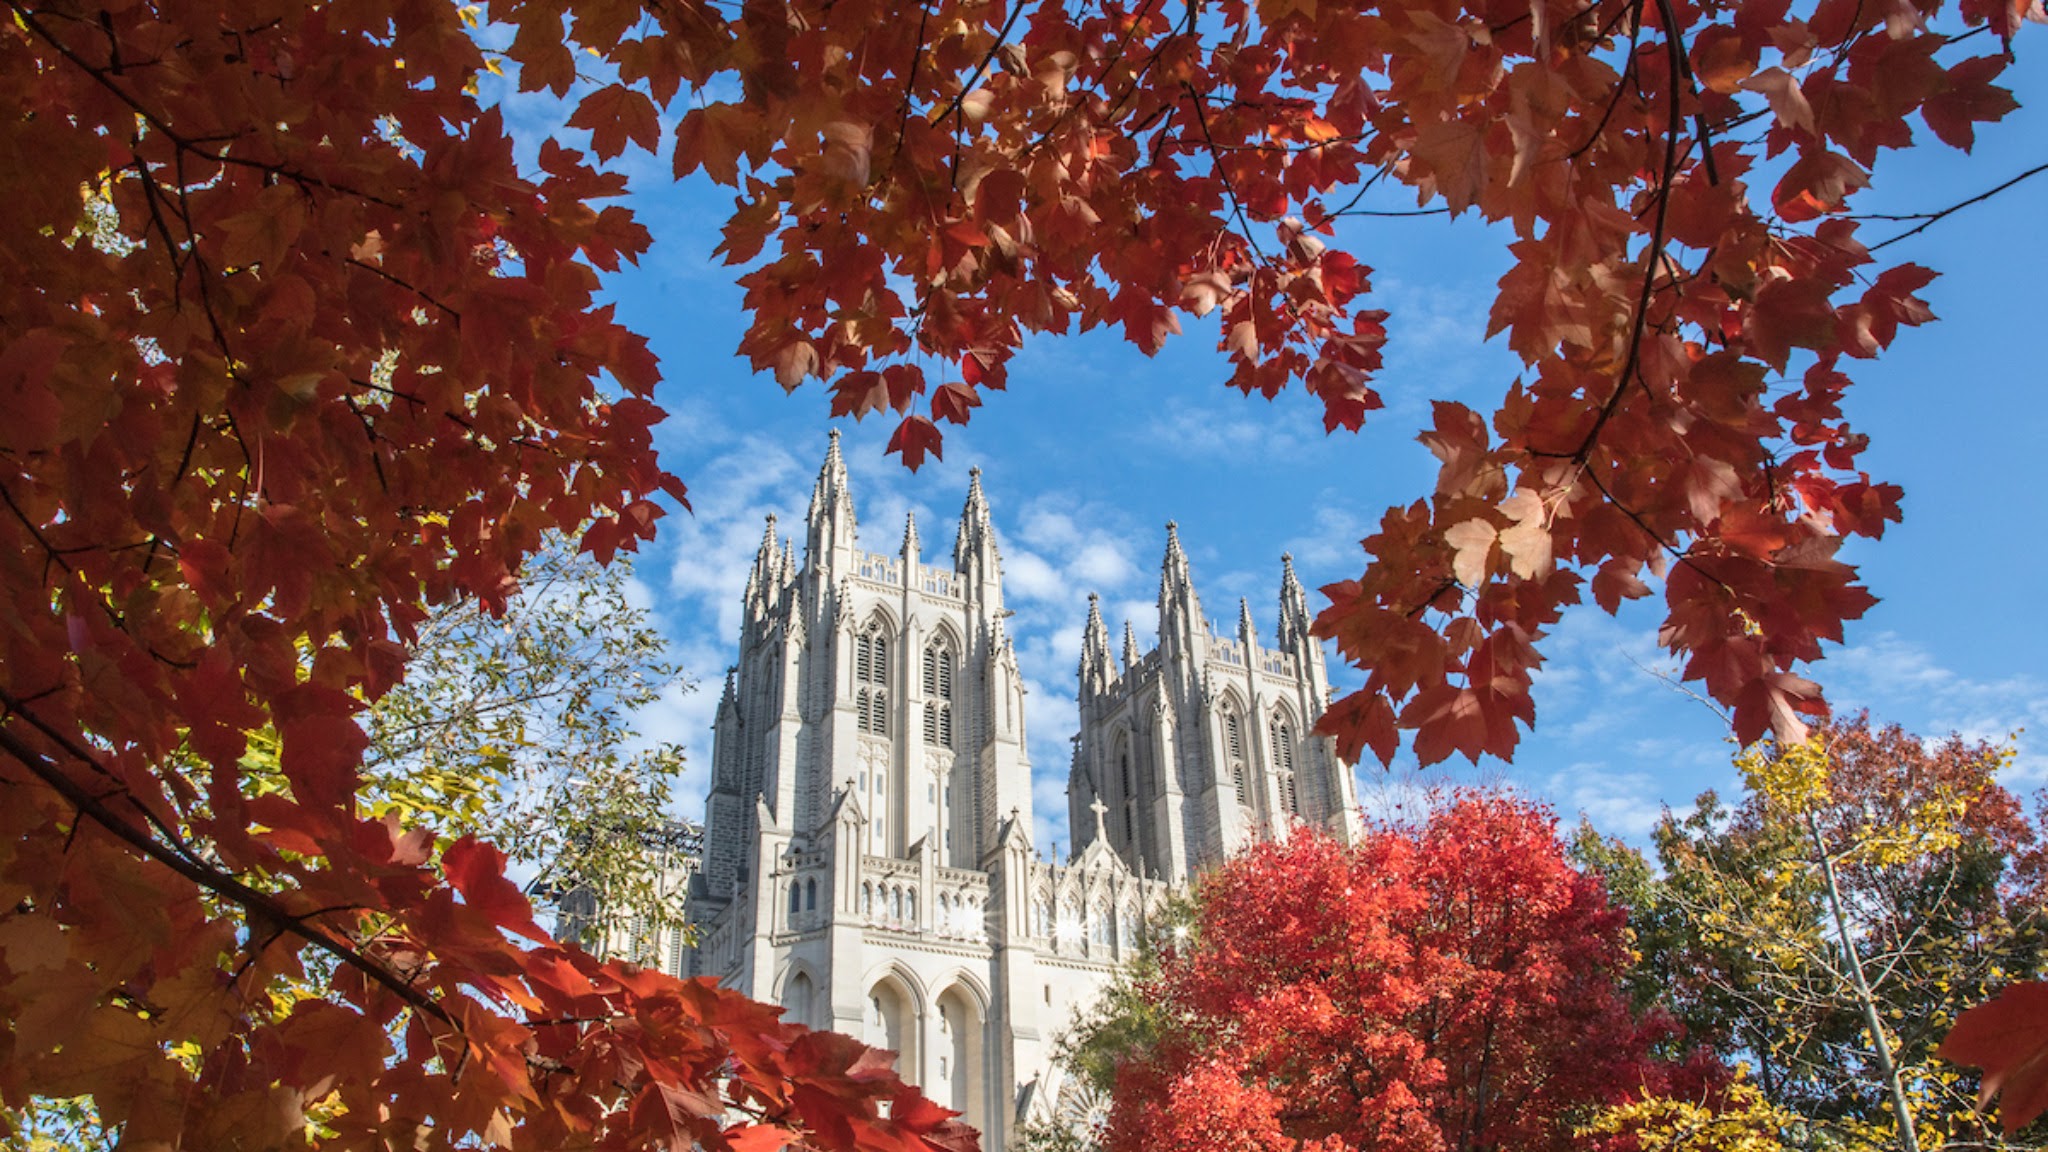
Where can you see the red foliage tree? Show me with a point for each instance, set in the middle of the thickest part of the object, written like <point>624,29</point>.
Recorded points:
<point>1453,985</point>
<point>1672,178</point>
<point>290,348</point>
<point>289,351</point>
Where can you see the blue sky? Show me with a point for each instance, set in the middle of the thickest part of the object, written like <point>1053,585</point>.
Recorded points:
<point>1095,447</point>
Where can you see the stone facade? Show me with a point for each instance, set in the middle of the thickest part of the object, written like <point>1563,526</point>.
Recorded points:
<point>867,859</point>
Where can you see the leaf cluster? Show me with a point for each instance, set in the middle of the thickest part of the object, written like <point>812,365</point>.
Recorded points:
<point>1736,928</point>
<point>1453,983</point>
<point>518,728</point>
<point>295,354</point>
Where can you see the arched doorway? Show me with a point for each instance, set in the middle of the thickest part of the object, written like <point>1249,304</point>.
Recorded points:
<point>960,1079</point>
<point>799,1000</point>
<point>892,1023</point>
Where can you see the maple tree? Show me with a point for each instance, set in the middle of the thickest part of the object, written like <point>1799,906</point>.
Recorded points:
<point>2007,1036</point>
<point>1452,984</point>
<point>292,351</point>
<point>1830,927</point>
<point>1687,291</point>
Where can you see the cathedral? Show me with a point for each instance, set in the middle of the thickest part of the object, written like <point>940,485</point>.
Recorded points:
<point>867,859</point>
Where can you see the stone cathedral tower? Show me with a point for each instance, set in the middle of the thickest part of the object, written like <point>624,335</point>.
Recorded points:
<point>867,859</point>
<point>1203,744</point>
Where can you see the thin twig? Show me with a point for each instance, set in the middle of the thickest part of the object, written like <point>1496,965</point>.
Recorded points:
<point>1230,190</point>
<point>1927,219</point>
<point>1002,38</point>
<point>910,86</point>
<point>1653,258</point>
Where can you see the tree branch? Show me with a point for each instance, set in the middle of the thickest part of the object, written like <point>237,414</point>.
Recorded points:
<point>255,904</point>
<point>1928,219</point>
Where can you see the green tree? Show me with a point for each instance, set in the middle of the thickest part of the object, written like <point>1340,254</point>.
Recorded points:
<point>1125,1021</point>
<point>1828,929</point>
<point>518,729</point>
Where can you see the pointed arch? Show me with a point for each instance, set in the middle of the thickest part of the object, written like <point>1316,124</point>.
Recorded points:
<point>797,991</point>
<point>1122,747</point>
<point>940,675</point>
<point>894,1014</point>
<point>873,643</point>
<point>961,1068</point>
<point>1282,732</point>
<point>945,629</point>
<point>1230,719</point>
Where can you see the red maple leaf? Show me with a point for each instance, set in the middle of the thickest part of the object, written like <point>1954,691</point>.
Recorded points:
<point>915,437</point>
<point>2007,1037</point>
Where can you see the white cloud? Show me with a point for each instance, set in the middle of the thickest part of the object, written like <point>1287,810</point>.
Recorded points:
<point>1028,576</point>
<point>1049,831</point>
<point>1103,562</point>
<point>1213,432</point>
<point>1902,682</point>
<point>1619,803</point>
<point>1436,344</point>
<point>1333,542</point>
<point>1050,716</point>
<point>1143,616</point>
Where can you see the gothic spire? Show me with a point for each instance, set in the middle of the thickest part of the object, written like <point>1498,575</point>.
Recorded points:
<point>977,504</point>
<point>1174,569</point>
<point>911,550</point>
<point>764,574</point>
<point>975,556</point>
<point>832,521</point>
<point>1247,632</point>
<point>975,531</point>
<point>729,699</point>
<point>1096,669</point>
<point>1294,618</point>
<point>1130,648</point>
<point>1180,610</point>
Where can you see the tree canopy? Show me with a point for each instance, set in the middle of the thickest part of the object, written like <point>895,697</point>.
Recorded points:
<point>1829,927</point>
<point>292,351</point>
<point>518,728</point>
<point>1454,984</point>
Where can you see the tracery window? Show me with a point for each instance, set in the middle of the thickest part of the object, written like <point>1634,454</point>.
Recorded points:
<point>871,677</point>
<point>1233,750</point>
<point>938,694</point>
<point>1283,763</point>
